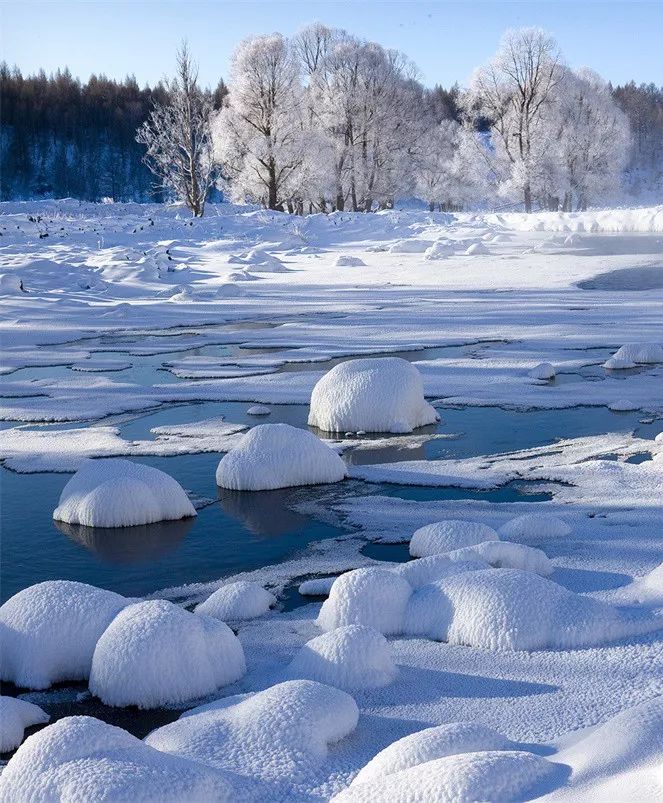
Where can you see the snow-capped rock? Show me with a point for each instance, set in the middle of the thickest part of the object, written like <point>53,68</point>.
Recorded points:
<point>49,631</point>
<point>618,364</point>
<point>349,657</point>
<point>155,653</point>
<point>640,353</point>
<point>544,371</point>
<point>373,394</point>
<point>278,456</point>
<point>534,527</point>
<point>119,493</point>
<point>15,716</point>
<point>258,409</point>
<point>444,536</point>
<point>236,601</point>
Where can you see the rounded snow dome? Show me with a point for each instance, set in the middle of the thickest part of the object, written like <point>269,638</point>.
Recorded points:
<point>350,657</point>
<point>155,653</point>
<point>374,395</point>
<point>448,535</point>
<point>119,493</point>
<point>235,601</point>
<point>278,456</point>
<point>534,527</point>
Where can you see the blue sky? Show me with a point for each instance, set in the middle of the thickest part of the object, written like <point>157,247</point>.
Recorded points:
<point>620,39</point>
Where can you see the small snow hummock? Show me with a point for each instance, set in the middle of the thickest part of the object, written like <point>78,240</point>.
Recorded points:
<point>85,759</point>
<point>374,395</point>
<point>155,653</point>
<point>622,406</point>
<point>345,261</point>
<point>49,631</point>
<point>317,587</point>
<point>278,456</point>
<point>444,536</point>
<point>411,246</point>
<point>544,371</point>
<point>534,527</point>
<point>119,493</point>
<point>505,555</point>
<point>11,283</point>
<point>349,657</point>
<point>15,716</point>
<point>439,250</point>
<point>618,364</point>
<point>237,601</point>
<point>476,248</point>
<point>639,353</point>
<point>258,409</point>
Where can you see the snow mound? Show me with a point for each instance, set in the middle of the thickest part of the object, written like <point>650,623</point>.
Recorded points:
<point>439,250</point>
<point>258,409</point>
<point>444,536</point>
<point>423,571</point>
<point>376,598</point>
<point>273,738</point>
<point>465,778</point>
<point>260,260</point>
<point>85,759</point>
<point>119,493</point>
<point>411,246</point>
<point>534,527</point>
<point>543,371</point>
<point>350,657</point>
<point>505,555</point>
<point>618,364</point>
<point>10,283</point>
<point>622,406</point>
<point>278,456</point>
<point>640,353</point>
<point>15,716</point>
<point>476,248</point>
<point>345,261</point>
<point>49,631</point>
<point>318,587</point>
<point>374,394</point>
<point>229,290</point>
<point>236,601</point>
<point>429,744</point>
<point>155,653</point>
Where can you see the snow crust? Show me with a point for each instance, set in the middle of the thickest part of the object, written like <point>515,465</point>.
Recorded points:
<point>155,653</point>
<point>15,716</point>
<point>49,631</point>
<point>235,601</point>
<point>373,394</point>
<point>119,493</point>
<point>445,536</point>
<point>278,456</point>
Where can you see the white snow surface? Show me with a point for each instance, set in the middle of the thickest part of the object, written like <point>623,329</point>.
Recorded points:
<point>445,536</point>
<point>374,395</point>
<point>119,493</point>
<point>235,601</point>
<point>155,653</point>
<point>278,456</point>
<point>15,716</point>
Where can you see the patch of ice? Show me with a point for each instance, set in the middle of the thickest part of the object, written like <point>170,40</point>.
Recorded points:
<point>444,536</point>
<point>237,601</point>
<point>99,366</point>
<point>15,716</point>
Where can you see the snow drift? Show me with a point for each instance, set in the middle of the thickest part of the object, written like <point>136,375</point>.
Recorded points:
<point>444,536</point>
<point>235,601</point>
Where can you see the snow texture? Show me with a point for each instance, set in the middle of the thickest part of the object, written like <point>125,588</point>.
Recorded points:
<point>155,653</point>
<point>278,456</point>
<point>119,493</point>
<point>445,536</point>
<point>237,601</point>
<point>15,716</point>
<point>374,395</point>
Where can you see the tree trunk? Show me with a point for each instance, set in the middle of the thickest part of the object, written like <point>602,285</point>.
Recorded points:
<point>528,197</point>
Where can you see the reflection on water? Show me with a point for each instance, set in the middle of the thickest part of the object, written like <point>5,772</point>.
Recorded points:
<point>263,512</point>
<point>129,544</point>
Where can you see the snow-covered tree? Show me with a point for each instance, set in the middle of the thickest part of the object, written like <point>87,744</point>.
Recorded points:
<point>178,138</point>
<point>438,178</point>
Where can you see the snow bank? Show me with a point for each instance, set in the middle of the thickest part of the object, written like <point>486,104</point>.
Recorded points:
<point>639,353</point>
<point>119,493</point>
<point>155,653</point>
<point>258,409</point>
<point>429,744</point>
<point>534,527</point>
<point>444,536</point>
<point>345,261</point>
<point>83,759</point>
<point>15,716</point>
<point>543,371</point>
<point>350,657</point>
<point>278,456</point>
<point>374,395</point>
<point>235,601</point>
<point>271,738</point>
<point>466,778</point>
<point>376,598</point>
<point>505,555</point>
<point>49,631</point>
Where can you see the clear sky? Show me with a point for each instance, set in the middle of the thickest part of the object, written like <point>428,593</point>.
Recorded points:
<point>621,39</point>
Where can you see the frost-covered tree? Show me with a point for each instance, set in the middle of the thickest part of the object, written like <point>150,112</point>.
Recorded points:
<point>438,170</point>
<point>178,138</point>
<point>258,134</point>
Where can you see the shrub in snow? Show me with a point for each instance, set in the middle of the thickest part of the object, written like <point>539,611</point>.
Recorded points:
<point>318,587</point>
<point>84,759</point>
<point>235,601</point>
<point>345,261</point>
<point>350,657</point>
<point>278,456</point>
<point>272,738</point>
<point>375,395</point>
<point>476,248</point>
<point>622,406</point>
<point>411,246</point>
<point>119,493</point>
<point>429,744</point>
<point>258,409</point>
<point>505,555</point>
<point>443,536</point>
<point>543,371</point>
<point>640,353</point>
<point>49,631</point>
<point>534,527</point>
<point>15,716</point>
<point>155,653</point>
<point>465,778</point>
<point>376,598</point>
